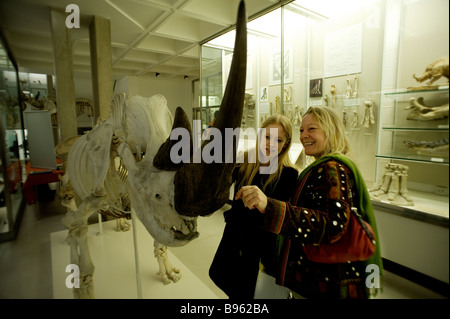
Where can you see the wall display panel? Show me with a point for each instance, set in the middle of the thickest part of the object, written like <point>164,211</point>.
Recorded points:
<point>346,52</point>
<point>343,51</point>
<point>281,66</point>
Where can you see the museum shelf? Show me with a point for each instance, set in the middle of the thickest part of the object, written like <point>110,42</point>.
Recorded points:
<point>428,207</point>
<point>416,148</point>
<point>406,93</point>
<point>415,158</point>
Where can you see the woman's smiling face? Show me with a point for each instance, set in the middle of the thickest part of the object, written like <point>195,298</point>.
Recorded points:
<point>312,137</point>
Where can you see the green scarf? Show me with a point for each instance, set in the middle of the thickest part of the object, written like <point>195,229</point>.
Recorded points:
<point>365,204</point>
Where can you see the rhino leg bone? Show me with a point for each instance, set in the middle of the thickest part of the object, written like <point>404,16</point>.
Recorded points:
<point>76,222</point>
<point>167,272</point>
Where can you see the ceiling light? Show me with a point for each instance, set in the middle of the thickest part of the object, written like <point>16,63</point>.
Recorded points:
<point>157,74</point>
<point>186,77</point>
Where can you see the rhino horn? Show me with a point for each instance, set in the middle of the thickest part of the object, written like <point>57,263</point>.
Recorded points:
<point>162,158</point>
<point>202,188</point>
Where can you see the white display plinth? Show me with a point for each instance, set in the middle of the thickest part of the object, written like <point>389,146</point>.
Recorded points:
<point>115,274</point>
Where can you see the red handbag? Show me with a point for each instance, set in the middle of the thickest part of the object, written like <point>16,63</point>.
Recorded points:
<point>357,244</point>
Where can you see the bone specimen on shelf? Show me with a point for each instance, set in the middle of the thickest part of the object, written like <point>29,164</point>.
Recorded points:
<point>355,90</point>
<point>368,118</point>
<point>249,101</point>
<point>326,99</point>
<point>344,116</point>
<point>393,186</point>
<point>298,114</point>
<point>435,148</point>
<point>434,71</point>
<point>289,113</point>
<point>288,94</point>
<point>333,95</point>
<point>277,105</point>
<point>355,117</point>
<point>422,112</point>
<point>348,90</point>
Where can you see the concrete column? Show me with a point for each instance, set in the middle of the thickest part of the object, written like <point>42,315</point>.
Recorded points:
<point>101,65</point>
<point>50,86</point>
<point>65,87</point>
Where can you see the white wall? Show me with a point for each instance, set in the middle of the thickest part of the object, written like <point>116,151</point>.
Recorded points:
<point>416,244</point>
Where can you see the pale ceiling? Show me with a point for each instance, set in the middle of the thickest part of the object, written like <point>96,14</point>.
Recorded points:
<point>148,36</point>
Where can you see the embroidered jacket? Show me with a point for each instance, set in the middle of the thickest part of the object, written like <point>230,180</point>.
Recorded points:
<point>318,213</point>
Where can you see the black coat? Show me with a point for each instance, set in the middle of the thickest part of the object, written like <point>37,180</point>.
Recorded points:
<point>244,243</point>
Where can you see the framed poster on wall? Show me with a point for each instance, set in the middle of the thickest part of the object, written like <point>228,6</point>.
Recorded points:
<point>315,88</point>
<point>275,66</point>
<point>343,51</point>
<point>264,96</point>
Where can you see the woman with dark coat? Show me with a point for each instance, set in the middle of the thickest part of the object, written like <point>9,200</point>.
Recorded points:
<point>245,244</point>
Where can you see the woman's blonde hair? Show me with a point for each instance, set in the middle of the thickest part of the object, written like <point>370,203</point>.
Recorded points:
<point>331,123</point>
<point>247,171</point>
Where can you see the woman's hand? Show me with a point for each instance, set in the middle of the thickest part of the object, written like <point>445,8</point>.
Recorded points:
<point>252,197</point>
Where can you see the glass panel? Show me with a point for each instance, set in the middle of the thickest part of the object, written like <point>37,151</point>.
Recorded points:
<point>211,84</point>
<point>11,134</point>
<point>296,30</point>
<point>263,80</point>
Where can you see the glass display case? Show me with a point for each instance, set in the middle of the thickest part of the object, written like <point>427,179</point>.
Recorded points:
<point>415,133</point>
<point>413,151</point>
<point>11,137</point>
<point>412,142</point>
<point>362,62</point>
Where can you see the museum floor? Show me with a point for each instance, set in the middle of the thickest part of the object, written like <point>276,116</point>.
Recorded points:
<point>26,263</point>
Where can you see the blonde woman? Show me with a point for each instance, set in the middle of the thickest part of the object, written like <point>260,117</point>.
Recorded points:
<point>319,213</point>
<point>244,244</point>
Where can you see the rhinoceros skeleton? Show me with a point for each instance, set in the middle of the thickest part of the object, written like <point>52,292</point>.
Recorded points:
<point>123,165</point>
